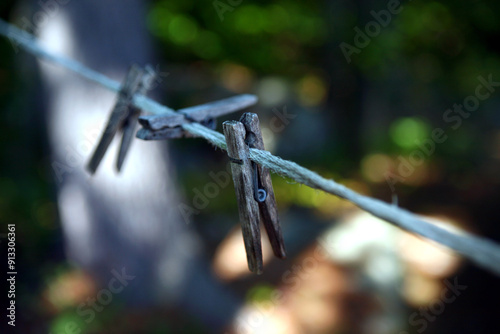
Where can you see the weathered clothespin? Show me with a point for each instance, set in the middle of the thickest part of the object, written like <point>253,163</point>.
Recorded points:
<point>124,116</point>
<point>254,190</point>
<point>156,127</point>
<point>267,208</point>
<point>243,178</point>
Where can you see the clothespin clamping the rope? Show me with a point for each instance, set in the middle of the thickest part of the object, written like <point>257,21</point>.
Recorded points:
<point>243,178</point>
<point>254,190</point>
<point>157,127</point>
<point>267,208</point>
<point>123,116</point>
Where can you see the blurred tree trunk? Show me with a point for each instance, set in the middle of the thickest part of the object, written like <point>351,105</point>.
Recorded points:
<point>126,222</point>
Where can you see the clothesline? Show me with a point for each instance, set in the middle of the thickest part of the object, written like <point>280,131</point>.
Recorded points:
<point>481,251</point>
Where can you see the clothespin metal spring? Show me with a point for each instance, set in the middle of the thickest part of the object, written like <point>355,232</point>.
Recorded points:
<point>259,193</point>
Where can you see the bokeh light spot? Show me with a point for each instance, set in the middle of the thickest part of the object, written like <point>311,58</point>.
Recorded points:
<point>312,90</point>
<point>375,166</point>
<point>272,91</point>
<point>407,132</point>
<point>182,30</point>
<point>269,139</point>
<point>236,77</point>
<point>260,293</point>
<point>250,19</point>
<point>280,19</point>
<point>159,20</point>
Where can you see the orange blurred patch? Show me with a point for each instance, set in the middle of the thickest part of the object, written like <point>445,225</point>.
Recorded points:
<point>428,264</point>
<point>236,78</point>
<point>68,289</point>
<point>230,259</point>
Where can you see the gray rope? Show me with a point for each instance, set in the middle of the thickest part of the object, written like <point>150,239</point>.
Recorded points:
<point>483,252</point>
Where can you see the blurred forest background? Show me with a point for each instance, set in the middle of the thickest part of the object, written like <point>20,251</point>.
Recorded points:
<point>353,121</point>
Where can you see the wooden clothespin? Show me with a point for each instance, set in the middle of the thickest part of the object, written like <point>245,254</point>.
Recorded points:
<point>254,190</point>
<point>130,123</point>
<point>156,127</point>
<point>123,116</point>
<point>267,208</point>
<point>243,178</point>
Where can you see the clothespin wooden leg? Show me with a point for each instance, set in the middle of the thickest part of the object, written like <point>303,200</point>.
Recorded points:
<point>133,115</point>
<point>241,169</point>
<point>118,115</point>
<point>268,209</point>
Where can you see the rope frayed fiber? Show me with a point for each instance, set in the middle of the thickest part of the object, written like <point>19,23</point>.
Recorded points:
<point>483,252</point>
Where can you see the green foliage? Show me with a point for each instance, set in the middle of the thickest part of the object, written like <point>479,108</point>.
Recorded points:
<point>269,37</point>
